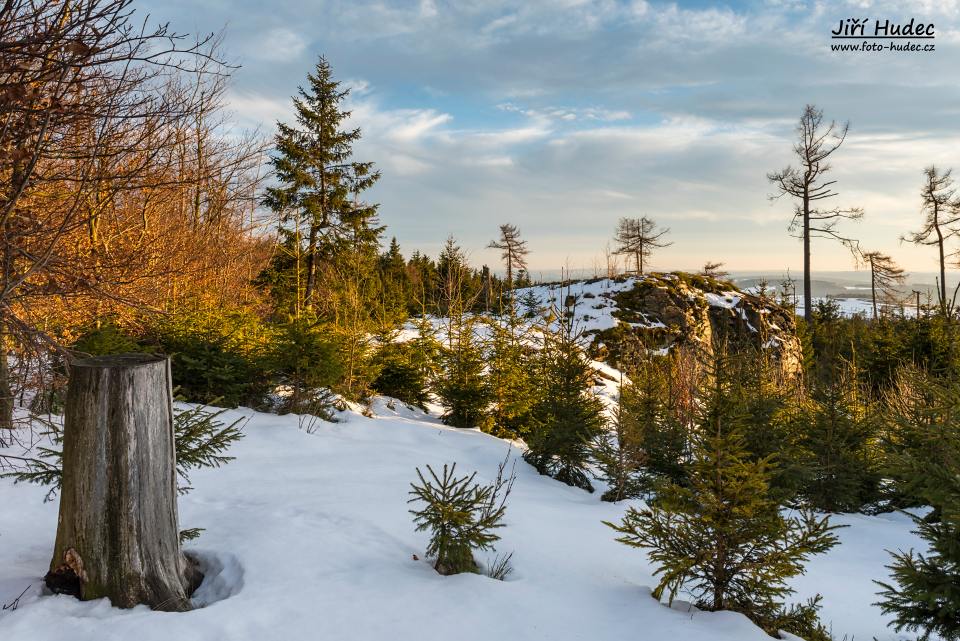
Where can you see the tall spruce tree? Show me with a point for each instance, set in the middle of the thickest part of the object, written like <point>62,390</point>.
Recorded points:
<point>809,185</point>
<point>316,198</point>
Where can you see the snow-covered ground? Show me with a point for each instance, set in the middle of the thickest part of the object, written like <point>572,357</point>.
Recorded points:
<point>308,537</point>
<point>863,307</point>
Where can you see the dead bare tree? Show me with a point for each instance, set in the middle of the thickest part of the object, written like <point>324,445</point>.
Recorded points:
<point>885,277</point>
<point>638,237</point>
<point>807,182</point>
<point>612,262</point>
<point>713,269</point>
<point>941,209</point>
<point>513,251</point>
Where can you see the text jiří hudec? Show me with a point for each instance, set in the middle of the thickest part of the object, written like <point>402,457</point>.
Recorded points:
<point>883,28</point>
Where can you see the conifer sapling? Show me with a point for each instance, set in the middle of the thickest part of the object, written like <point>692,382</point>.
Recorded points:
<point>461,515</point>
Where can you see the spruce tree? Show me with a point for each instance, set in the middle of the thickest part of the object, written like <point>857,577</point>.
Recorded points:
<point>407,369</point>
<point>306,357</point>
<point>509,377</point>
<point>399,376</point>
<point>720,533</point>
<point>637,238</point>
<point>666,409</point>
<point>397,288</point>
<point>463,387</point>
<point>316,198</point>
<point>530,304</point>
<point>567,416</point>
<point>722,537</point>
<point>618,453</point>
<point>772,404</point>
<point>839,444</point>
<point>461,515</point>
<point>941,223</point>
<point>353,302</point>
<point>924,595</point>
<point>885,278</point>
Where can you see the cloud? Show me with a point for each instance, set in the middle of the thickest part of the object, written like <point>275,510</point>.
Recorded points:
<point>278,45</point>
<point>562,115</point>
<point>255,109</point>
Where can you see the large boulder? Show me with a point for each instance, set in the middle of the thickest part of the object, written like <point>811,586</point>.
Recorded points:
<point>666,310</point>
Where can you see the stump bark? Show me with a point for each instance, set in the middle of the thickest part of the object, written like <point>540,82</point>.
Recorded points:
<point>118,531</point>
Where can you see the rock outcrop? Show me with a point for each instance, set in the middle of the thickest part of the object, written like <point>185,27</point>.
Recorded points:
<point>679,308</point>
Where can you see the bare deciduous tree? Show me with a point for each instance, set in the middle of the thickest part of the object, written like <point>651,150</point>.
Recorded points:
<point>114,175</point>
<point>638,237</point>
<point>807,182</point>
<point>941,210</point>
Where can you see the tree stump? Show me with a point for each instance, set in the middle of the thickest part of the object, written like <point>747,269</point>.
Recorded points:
<point>118,532</point>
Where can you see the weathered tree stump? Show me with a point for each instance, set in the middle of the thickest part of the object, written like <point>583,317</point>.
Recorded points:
<point>118,532</point>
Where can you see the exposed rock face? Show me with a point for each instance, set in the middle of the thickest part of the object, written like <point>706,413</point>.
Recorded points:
<point>679,308</point>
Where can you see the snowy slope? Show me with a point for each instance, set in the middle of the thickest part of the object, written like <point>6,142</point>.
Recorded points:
<point>308,537</point>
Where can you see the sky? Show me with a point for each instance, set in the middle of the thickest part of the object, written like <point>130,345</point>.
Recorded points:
<point>561,116</point>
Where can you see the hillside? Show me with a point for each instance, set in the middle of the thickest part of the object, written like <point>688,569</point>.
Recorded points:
<point>307,536</point>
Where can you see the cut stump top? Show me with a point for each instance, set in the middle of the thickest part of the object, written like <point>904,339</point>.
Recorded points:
<point>122,361</point>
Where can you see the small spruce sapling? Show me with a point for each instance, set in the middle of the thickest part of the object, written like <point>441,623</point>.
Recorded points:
<point>462,516</point>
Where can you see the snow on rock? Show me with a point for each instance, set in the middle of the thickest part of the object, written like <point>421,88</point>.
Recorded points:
<point>307,536</point>
<point>727,300</point>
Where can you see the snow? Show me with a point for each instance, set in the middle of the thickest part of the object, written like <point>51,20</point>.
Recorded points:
<point>850,307</point>
<point>307,536</point>
<point>594,300</point>
<point>727,300</point>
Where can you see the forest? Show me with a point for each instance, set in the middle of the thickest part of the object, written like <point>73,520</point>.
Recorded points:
<point>136,218</point>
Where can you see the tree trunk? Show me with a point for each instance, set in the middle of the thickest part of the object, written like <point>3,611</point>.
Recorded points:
<point>118,532</point>
<point>943,274</point>
<point>807,289</point>
<point>6,388</point>
<point>311,267</point>
<point>873,288</point>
